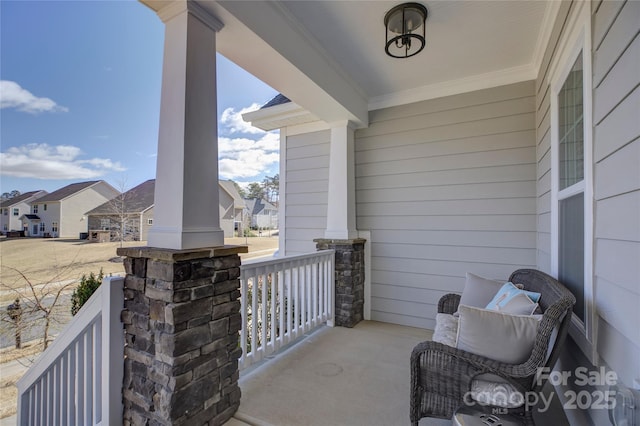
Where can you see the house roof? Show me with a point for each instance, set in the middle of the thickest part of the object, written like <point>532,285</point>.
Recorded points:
<point>30,216</point>
<point>141,198</point>
<point>279,99</point>
<point>136,200</point>
<point>67,191</point>
<point>20,198</point>
<point>257,205</point>
<point>229,186</point>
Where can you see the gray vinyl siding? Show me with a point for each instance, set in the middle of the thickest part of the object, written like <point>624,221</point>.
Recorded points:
<point>446,186</point>
<point>616,156</point>
<point>307,177</point>
<point>616,139</point>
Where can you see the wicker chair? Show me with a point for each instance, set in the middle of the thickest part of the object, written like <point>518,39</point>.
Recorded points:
<point>441,375</point>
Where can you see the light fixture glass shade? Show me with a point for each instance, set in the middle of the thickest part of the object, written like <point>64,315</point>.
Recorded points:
<point>401,24</point>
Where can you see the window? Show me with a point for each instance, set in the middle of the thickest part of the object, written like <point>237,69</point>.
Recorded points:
<point>35,209</point>
<point>149,222</point>
<point>5,211</point>
<point>16,212</point>
<point>105,224</point>
<point>44,207</point>
<point>572,177</point>
<point>54,226</point>
<point>41,226</point>
<point>5,227</point>
<point>571,185</point>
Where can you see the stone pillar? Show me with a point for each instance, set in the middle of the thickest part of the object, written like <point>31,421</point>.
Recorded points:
<point>349,279</point>
<point>182,318</point>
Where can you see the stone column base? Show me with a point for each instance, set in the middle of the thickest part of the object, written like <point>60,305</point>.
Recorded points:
<point>349,277</point>
<point>181,319</point>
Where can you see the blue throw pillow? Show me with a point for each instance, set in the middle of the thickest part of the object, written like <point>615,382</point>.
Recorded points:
<point>508,292</point>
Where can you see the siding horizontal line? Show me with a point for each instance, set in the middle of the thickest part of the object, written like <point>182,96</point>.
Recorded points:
<point>363,216</point>
<point>417,274</point>
<point>615,239</point>
<point>403,314</point>
<point>422,303</point>
<point>470,105</point>
<point>362,138</point>
<point>604,75</point>
<point>447,170</point>
<point>617,195</point>
<point>443,185</point>
<point>449,261</point>
<point>457,199</point>
<point>619,149</point>
<point>492,247</point>
<point>616,105</point>
<point>383,161</point>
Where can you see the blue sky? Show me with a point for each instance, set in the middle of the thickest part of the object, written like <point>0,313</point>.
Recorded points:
<point>80,98</point>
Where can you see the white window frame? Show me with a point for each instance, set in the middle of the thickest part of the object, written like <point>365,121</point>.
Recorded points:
<point>576,40</point>
<point>34,209</point>
<point>150,221</point>
<point>16,211</point>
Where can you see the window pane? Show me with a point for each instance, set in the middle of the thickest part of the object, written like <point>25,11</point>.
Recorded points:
<point>571,249</point>
<point>570,131</point>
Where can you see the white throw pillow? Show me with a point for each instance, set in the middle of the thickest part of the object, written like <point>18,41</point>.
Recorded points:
<point>446,329</point>
<point>503,337</point>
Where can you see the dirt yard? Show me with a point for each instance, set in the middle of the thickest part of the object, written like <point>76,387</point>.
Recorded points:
<point>52,261</point>
<point>56,262</point>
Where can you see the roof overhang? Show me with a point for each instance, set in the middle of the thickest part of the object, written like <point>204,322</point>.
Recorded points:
<point>278,116</point>
<point>265,40</point>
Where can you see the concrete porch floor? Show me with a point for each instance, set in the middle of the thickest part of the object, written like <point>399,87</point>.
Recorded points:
<point>336,376</point>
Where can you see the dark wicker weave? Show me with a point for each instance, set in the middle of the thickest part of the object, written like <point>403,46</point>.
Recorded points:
<point>441,375</point>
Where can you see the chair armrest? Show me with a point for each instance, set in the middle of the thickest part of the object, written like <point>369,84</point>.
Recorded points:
<point>442,363</point>
<point>448,303</point>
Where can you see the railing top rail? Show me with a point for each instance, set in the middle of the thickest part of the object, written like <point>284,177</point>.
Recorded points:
<point>286,259</point>
<point>85,316</point>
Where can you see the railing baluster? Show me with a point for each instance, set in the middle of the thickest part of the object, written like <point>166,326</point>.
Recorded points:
<point>263,317</point>
<point>243,311</point>
<point>273,285</point>
<point>254,318</point>
<point>289,304</point>
<point>280,300</point>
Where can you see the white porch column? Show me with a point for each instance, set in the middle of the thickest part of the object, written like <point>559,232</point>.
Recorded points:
<point>341,208</point>
<point>186,212</point>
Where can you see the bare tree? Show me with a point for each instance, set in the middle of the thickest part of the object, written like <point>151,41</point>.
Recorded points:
<point>122,222</point>
<point>40,302</point>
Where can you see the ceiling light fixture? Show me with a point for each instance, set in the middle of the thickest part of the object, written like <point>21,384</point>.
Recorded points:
<point>400,23</point>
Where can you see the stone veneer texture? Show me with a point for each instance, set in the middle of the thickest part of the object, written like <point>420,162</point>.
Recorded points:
<point>181,327</point>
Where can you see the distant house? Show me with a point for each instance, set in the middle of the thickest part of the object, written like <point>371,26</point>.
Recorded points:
<point>264,215</point>
<point>232,207</point>
<point>62,212</point>
<point>12,209</point>
<point>133,211</point>
<point>129,215</point>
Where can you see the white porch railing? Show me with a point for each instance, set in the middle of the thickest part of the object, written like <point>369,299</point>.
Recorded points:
<point>78,379</point>
<point>283,298</point>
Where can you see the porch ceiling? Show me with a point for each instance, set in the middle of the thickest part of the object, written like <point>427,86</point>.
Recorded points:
<point>328,56</point>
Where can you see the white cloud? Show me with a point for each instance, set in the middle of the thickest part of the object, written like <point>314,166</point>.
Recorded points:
<point>14,96</point>
<point>232,121</point>
<point>42,161</point>
<point>244,158</point>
